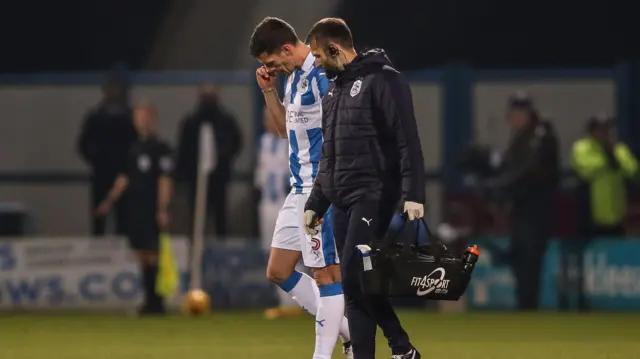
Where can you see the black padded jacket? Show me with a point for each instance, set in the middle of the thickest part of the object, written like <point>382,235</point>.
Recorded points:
<point>371,145</point>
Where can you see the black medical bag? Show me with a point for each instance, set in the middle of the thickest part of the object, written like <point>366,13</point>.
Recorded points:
<point>397,266</point>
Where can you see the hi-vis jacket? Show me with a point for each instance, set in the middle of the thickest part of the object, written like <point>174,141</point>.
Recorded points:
<point>605,177</point>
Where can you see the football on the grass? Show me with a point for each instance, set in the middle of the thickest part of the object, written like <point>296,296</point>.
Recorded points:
<point>196,302</point>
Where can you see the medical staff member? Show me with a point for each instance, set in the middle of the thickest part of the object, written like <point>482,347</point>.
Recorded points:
<point>371,160</point>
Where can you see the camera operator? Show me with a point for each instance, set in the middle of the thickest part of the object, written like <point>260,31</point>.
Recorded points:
<point>527,179</point>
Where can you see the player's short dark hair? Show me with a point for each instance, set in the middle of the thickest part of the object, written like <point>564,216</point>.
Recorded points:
<point>331,29</point>
<point>270,35</point>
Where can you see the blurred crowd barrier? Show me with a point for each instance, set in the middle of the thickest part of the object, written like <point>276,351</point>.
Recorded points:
<point>81,273</point>
<point>74,273</point>
<point>42,115</point>
<point>611,277</point>
<point>78,273</point>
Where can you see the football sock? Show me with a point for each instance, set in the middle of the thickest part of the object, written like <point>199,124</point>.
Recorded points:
<point>305,292</point>
<point>284,298</point>
<point>149,273</point>
<point>328,319</point>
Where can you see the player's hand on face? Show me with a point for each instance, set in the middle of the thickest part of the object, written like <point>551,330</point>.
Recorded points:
<point>266,80</point>
<point>311,222</point>
<point>163,219</point>
<point>414,210</point>
<point>103,209</point>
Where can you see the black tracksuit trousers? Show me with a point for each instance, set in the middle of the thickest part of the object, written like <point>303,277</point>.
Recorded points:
<point>361,223</point>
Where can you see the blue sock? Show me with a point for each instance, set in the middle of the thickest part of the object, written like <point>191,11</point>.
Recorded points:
<point>291,282</point>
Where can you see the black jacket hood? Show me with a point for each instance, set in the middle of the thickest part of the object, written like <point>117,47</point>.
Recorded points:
<point>364,64</point>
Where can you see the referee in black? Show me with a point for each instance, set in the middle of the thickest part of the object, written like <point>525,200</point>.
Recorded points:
<point>146,176</point>
<point>371,160</point>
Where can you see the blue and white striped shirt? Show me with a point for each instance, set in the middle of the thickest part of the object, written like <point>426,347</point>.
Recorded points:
<point>304,90</point>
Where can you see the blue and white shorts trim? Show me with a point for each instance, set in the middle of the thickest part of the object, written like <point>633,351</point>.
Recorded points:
<point>318,251</point>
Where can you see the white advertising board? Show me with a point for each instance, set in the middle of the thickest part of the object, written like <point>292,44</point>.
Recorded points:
<point>74,273</point>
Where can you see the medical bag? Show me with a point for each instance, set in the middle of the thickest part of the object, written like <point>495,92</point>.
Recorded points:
<point>397,266</point>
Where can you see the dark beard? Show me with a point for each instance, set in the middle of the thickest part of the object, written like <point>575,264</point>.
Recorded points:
<point>332,73</point>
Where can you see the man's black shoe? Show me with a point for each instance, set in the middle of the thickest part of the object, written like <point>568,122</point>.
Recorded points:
<point>412,354</point>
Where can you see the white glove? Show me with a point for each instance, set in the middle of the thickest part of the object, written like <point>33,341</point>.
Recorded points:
<point>311,223</point>
<point>414,210</point>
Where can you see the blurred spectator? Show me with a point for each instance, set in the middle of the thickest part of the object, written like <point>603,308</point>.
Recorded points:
<point>602,164</point>
<point>105,139</point>
<point>228,142</point>
<point>527,178</point>
<point>146,176</point>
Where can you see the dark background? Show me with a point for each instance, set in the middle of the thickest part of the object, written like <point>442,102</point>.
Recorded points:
<point>78,35</point>
<point>93,35</point>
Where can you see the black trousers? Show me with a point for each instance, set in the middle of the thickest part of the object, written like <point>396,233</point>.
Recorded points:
<point>530,233</point>
<point>361,223</point>
<point>100,187</point>
<point>144,236</point>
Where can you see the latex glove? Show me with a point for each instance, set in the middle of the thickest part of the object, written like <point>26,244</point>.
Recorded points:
<point>311,222</point>
<point>414,210</point>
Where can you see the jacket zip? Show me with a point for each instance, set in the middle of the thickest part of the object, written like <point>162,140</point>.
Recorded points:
<point>333,143</point>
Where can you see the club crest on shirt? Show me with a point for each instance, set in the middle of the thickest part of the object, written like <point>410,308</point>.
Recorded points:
<point>166,163</point>
<point>144,163</point>
<point>355,89</point>
<point>304,85</point>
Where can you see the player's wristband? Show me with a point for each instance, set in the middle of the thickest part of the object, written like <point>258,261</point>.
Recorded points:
<point>268,90</point>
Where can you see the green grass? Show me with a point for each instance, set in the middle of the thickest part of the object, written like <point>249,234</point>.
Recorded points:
<point>247,335</point>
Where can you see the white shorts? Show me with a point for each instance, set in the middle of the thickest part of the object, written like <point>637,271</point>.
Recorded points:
<point>317,252</point>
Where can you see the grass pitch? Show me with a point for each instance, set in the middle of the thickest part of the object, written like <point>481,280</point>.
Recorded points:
<point>248,335</point>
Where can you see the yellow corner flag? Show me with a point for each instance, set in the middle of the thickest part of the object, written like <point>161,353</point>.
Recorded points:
<point>168,278</point>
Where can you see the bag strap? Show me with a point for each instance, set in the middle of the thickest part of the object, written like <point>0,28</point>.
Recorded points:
<point>413,240</point>
<point>408,241</point>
